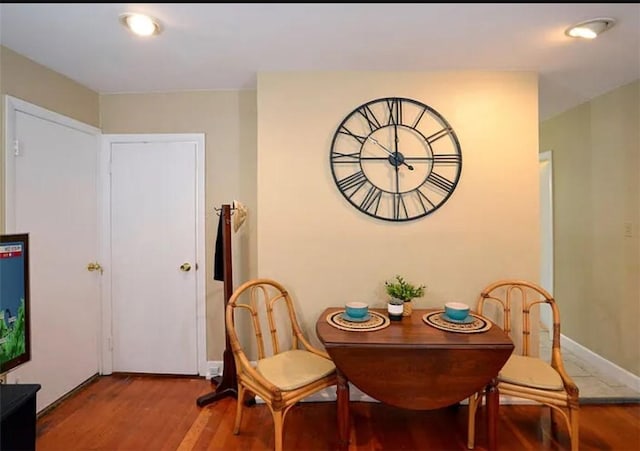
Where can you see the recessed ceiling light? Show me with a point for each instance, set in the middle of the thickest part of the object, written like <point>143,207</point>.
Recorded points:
<point>590,29</point>
<point>140,24</point>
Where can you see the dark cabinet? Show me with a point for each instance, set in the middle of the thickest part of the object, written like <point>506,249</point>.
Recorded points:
<point>18,409</point>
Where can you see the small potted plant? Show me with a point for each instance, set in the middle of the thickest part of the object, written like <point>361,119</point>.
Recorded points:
<point>404,291</point>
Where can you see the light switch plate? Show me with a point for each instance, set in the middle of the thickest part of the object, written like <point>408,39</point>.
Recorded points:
<point>628,229</point>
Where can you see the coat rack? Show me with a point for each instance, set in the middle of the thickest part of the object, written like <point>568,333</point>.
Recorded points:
<point>227,384</point>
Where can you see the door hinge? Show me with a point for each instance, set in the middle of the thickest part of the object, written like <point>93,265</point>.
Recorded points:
<point>16,148</point>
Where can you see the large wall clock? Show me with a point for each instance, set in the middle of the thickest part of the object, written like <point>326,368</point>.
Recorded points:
<point>395,159</point>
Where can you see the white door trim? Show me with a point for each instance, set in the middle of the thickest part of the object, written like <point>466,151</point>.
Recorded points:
<point>104,181</point>
<point>12,105</point>
<point>546,239</point>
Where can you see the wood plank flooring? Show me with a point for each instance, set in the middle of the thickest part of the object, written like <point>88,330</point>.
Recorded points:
<point>160,413</point>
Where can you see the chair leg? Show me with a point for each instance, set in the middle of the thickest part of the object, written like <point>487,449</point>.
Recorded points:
<point>553,422</point>
<point>278,421</point>
<point>474,401</point>
<point>573,433</point>
<point>570,416</point>
<point>239,404</point>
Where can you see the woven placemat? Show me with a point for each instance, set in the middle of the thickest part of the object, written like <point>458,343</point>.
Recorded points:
<point>479,324</point>
<point>376,322</point>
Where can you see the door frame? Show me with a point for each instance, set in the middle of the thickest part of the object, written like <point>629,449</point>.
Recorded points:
<point>546,239</point>
<point>104,221</point>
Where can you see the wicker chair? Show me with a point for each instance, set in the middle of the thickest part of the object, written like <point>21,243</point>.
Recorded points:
<point>287,371</point>
<point>524,376</point>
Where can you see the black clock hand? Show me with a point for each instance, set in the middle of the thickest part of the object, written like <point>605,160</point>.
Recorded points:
<point>395,145</point>
<point>397,181</point>
<point>393,154</point>
<point>395,141</point>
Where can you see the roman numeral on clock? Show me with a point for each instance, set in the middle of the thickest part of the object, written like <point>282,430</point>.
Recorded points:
<point>439,181</point>
<point>422,198</point>
<point>395,111</point>
<point>345,131</point>
<point>355,180</point>
<point>371,201</point>
<point>371,119</point>
<point>338,157</point>
<point>399,207</point>
<point>437,135</point>
<point>446,158</point>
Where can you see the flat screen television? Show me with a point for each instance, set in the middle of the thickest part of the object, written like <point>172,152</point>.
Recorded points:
<point>15,333</point>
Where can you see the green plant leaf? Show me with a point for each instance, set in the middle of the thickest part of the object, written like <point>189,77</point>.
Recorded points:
<point>401,289</point>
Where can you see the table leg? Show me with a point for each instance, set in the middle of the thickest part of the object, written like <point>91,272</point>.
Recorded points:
<point>493,403</point>
<point>342,393</point>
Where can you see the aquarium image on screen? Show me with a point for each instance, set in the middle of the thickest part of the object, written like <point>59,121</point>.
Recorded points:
<point>14,301</point>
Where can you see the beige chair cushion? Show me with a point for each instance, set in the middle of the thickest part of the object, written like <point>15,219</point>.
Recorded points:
<point>292,369</point>
<point>530,372</point>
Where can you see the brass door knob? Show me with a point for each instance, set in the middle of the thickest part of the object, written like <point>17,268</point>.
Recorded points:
<point>185,267</point>
<point>94,267</point>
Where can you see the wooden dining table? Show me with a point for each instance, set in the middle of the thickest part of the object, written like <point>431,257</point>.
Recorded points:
<point>413,365</point>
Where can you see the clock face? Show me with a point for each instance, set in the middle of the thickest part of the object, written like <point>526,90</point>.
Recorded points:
<point>395,159</point>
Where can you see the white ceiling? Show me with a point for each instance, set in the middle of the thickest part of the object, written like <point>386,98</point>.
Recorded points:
<point>224,45</point>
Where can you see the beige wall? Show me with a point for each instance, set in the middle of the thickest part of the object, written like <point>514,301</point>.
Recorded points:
<point>596,165</point>
<point>22,78</point>
<point>228,120</point>
<point>326,252</point>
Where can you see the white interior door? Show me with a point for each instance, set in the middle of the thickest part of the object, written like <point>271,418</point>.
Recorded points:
<point>51,194</point>
<point>154,254</point>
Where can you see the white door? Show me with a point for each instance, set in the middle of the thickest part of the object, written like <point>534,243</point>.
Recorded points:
<point>51,194</point>
<point>154,255</point>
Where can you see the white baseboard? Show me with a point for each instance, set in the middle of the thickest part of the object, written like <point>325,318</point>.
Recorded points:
<point>601,364</point>
<point>214,368</point>
<point>329,394</point>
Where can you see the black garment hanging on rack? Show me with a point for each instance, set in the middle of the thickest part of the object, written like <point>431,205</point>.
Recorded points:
<point>218,258</point>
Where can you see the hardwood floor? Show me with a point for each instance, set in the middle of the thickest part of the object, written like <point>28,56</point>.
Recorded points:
<point>160,413</point>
